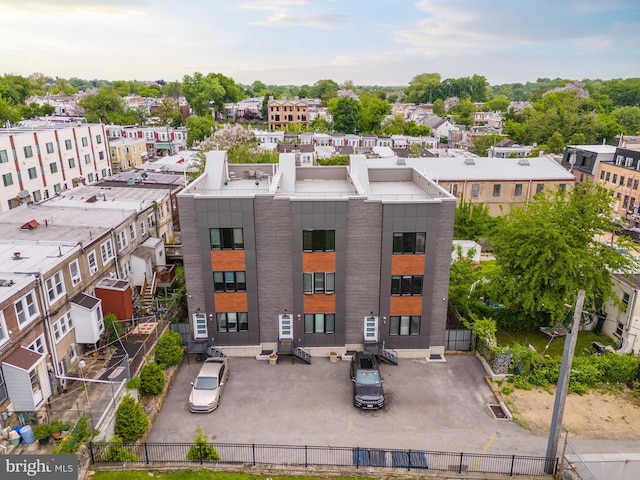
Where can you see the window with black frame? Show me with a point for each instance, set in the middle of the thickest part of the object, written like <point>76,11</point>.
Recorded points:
<point>319,240</point>
<point>409,242</point>
<point>319,323</point>
<point>232,322</point>
<point>226,238</point>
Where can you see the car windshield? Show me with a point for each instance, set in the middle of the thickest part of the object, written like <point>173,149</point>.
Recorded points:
<point>368,378</point>
<point>206,383</point>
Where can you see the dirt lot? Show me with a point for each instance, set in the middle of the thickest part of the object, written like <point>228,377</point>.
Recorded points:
<point>599,415</point>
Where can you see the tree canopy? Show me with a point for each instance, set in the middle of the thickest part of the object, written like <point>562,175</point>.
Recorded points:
<point>547,250</point>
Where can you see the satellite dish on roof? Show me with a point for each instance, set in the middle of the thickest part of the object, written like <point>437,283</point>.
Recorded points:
<point>144,174</point>
<point>23,193</point>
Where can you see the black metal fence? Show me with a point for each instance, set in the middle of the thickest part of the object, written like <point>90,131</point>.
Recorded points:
<point>303,455</point>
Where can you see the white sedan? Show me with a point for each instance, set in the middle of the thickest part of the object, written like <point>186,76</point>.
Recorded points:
<point>207,388</point>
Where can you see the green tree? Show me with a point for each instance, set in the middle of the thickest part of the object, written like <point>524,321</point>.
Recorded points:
<point>499,103</point>
<point>629,119</point>
<point>202,92</point>
<point>151,379</point>
<point>9,113</point>
<point>463,112</point>
<point>169,349</point>
<point>577,139</point>
<point>202,450</point>
<point>172,90</point>
<point>198,128</point>
<point>325,90</point>
<point>105,106</point>
<point>372,111</point>
<point>482,143</point>
<point>463,275</point>
<point>556,144</point>
<point>346,114</point>
<point>131,421</point>
<point>320,125</point>
<point>472,221</point>
<point>547,250</point>
<point>423,88</point>
<point>112,325</point>
<point>438,107</point>
<point>168,112</point>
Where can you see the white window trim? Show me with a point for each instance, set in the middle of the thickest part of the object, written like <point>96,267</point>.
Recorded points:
<point>93,270</point>
<point>121,240</point>
<point>25,307</point>
<point>106,252</point>
<point>200,325</point>
<point>132,231</point>
<point>55,284</point>
<point>77,277</point>
<point>3,329</point>
<point>62,327</point>
<point>43,346</point>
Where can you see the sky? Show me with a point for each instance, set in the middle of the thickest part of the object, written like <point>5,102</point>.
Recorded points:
<point>297,42</point>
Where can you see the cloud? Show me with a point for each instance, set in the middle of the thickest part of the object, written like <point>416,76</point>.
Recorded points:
<point>594,42</point>
<point>322,21</point>
<point>272,4</point>
<point>60,7</point>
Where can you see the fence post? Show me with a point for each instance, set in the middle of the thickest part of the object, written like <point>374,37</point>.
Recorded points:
<point>200,452</point>
<point>409,460</point>
<point>91,452</point>
<point>146,453</point>
<point>513,461</point>
<point>305,457</point>
<point>253,450</point>
<point>461,458</point>
<point>357,457</point>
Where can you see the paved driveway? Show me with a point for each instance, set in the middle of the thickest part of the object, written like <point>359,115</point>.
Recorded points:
<point>429,406</point>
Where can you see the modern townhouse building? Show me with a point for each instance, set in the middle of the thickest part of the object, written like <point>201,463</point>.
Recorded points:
<point>584,160</point>
<point>39,162</point>
<point>622,178</point>
<point>498,183</point>
<point>281,113</point>
<point>330,258</point>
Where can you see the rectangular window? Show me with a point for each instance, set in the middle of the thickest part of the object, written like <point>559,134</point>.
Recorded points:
<point>33,173</point>
<point>28,151</point>
<point>72,163</point>
<point>85,142</point>
<point>620,329</point>
<point>62,326</point>
<point>229,282</point>
<point>93,262</point>
<point>106,250</point>
<point>49,147</point>
<point>38,345</point>
<point>635,185</point>
<point>518,190</point>
<point>37,196</point>
<point>539,188</point>
<point>4,334</point>
<point>87,159</point>
<point>101,157</point>
<point>404,325</point>
<point>226,238</point>
<point>121,240</point>
<point>475,190</point>
<point>3,388</point>
<point>143,228</point>
<point>3,156</point>
<point>496,189</point>
<point>319,282</point>
<point>151,220</point>
<point>625,202</point>
<point>90,177</point>
<point>406,285</point>
<point>53,166</point>
<point>67,144</point>
<point>409,242</point>
<point>621,180</point>
<point>319,240</point>
<point>602,175</point>
<point>98,138</point>
<point>233,322</point>
<point>26,309</point>
<point>625,299</point>
<point>614,179</point>
<point>55,286</point>
<point>132,231</point>
<point>74,270</point>
<point>607,176</point>
<point>7,179</point>
<point>35,381</point>
<point>319,323</point>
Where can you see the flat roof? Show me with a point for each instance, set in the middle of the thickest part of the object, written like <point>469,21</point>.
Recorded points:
<point>482,168</point>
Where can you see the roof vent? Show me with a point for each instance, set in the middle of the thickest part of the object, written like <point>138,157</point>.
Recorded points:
<point>30,225</point>
<point>16,256</point>
<point>523,161</point>
<point>469,161</point>
<point>6,283</point>
<point>401,161</point>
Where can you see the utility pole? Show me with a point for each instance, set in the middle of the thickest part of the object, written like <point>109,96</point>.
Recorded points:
<point>563,384</point>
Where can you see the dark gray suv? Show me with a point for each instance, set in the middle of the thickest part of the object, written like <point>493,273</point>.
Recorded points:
<point>367,382</point>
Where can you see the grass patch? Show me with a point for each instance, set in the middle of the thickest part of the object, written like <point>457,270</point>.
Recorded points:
<point>205,475</point>
<point>556,346</point>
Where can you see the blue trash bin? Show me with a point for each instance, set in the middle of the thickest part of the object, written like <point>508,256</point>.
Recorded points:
<point>26,433</point>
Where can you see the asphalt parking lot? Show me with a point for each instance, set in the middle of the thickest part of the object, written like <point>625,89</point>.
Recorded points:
<point>429,406</point>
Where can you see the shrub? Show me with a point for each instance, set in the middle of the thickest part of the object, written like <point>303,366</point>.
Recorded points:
<point>618,368</point>
<point>134,383</point>
<point>169,349</point>
<point>131,421</point>
<point>79,435</point>
<point>111,324</point>
<point>151,379</point>
<point>202,450</point>
<point>118,452</point>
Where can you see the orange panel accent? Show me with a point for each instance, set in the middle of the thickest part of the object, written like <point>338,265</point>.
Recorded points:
<point>227,260</point>
<point>319,262</point>
<point>231,302</point>
<point>407,265</point>
<point>405,306</point>
<point>320,303</point>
